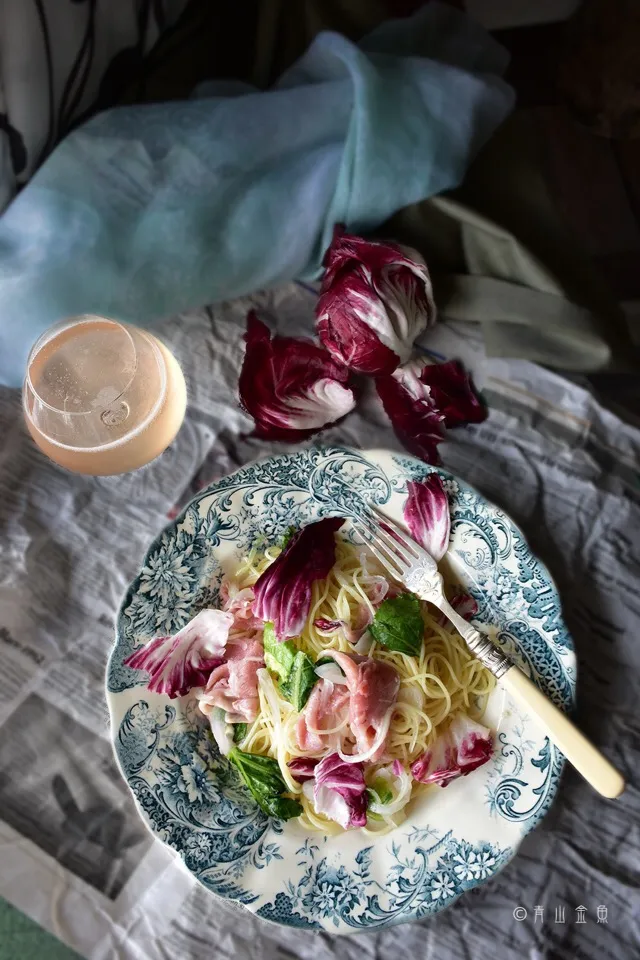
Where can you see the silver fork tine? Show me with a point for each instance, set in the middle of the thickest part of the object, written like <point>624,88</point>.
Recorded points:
<point>390,562</point>
<point>400,546</point>
<point>410,545</point>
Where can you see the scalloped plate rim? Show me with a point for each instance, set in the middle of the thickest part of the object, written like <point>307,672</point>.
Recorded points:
<point>372,456</point>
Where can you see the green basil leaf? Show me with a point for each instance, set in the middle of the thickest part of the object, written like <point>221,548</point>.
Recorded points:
<point>289,532</point>
<point>278,657</point>
<point>239,732</point>
<point>261,775</point>
<point>398,624</point>
<point>299,684</point>
<point>284,808</point>
<point>293,668</point>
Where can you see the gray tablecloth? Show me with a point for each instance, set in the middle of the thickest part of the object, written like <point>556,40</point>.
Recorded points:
<point>565,469</point>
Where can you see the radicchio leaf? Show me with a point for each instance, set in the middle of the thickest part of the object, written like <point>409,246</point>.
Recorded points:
<point>328,626</point>
<point>303,768</point>
<point>375,299</point>
<point>176,664</point>
<point>472,742</point>
<point>426,513</point>
<point>414,418</point>
<point>339,791</point>
<point>421,398</point>
<point>291,387</point>
<point>465,605</point>
<point>283,591</point>
<point>452,393</point>
<point>465,746</point>
<point>437,765</point>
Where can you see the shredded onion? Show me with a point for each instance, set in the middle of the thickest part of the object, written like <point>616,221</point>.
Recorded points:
<point>380,738</point>
<point>412,695</point>
<point>404,793</point>
<point>332,673</point>
<point>363,645</point>
<point>266,685</point>
<point>222,731</point>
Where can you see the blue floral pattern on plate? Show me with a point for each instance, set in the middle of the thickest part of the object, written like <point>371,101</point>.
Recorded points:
<point>453,839</point>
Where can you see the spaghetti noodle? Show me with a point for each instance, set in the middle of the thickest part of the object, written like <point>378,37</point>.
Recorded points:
<point>443,681</point>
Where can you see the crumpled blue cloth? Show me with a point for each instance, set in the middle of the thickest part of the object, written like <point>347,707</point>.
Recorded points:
<point>150,210</point>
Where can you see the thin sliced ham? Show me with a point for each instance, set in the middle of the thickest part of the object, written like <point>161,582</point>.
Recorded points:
<point>239,603</point>
<point>324,716</point>
<point>360,622</point>
<point>373,690</point>
<point>233,686</point>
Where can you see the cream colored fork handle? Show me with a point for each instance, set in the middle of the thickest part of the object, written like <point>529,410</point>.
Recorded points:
<point>579,751</point>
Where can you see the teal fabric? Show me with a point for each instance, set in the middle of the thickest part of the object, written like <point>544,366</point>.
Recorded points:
<point>22,939</point>
<point>150,210</point>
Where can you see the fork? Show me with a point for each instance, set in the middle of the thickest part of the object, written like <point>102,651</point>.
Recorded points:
<point>409,563</point>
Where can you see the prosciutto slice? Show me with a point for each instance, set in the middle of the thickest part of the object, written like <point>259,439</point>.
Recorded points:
<point>239,603</point>
<point>325,710</point>
<point>373,690</point>
<point>233,686</point>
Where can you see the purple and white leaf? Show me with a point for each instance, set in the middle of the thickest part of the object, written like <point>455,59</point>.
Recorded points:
<point>339,791</point>
<point>464,747</point>
<point>426,513</point>
<point>472,742</point>
<point>303,768</point>
<point>376,298</point>
<point>421,398</point>
<point>290,386</point>
<point>178,663</point>
<point>414,417</point>
<point>283,591</point>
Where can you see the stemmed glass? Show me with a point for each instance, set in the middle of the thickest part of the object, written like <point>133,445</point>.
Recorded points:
<point>102,397</point>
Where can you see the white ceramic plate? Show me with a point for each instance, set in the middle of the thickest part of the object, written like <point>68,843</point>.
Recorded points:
<point>455,838</point>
